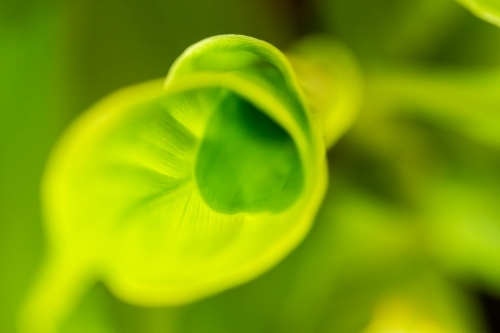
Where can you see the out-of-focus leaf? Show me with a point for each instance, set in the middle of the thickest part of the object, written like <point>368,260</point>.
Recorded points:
<point>488,10</point>
<point>425,303</point>
<point>452,182</point>
<point>465,101</point>
<point>332,80</point>
<point>464,229</point>
<point>170,195</point>
<point>389,28</point>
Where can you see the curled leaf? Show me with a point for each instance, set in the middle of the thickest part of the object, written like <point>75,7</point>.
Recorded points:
<point>170,193</point>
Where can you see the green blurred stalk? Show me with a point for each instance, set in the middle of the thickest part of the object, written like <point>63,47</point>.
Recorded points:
<point>465,101</point>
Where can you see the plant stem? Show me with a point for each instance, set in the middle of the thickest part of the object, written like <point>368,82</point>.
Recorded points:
<point>465,101</point>
<point>60,285</point>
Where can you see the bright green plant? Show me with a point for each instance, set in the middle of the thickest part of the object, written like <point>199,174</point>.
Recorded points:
<point>170,192</point>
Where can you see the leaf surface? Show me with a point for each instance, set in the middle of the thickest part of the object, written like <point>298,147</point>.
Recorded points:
<point>170,193</point>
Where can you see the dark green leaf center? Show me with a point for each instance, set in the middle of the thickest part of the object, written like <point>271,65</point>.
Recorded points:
<point>247,162</point>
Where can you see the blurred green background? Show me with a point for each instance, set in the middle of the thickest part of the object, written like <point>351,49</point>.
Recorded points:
<point>59,57</point>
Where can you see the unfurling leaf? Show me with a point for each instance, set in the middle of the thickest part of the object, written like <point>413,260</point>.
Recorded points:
<point>170,193</point>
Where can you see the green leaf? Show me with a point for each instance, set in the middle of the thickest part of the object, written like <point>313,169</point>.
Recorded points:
<point>463,221</point>
<point>426,303</point>
<point>467,101</point>
<point>172,194</point>
<point>331,78</point>
<point>389,28</point>
<point>488,10</point>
